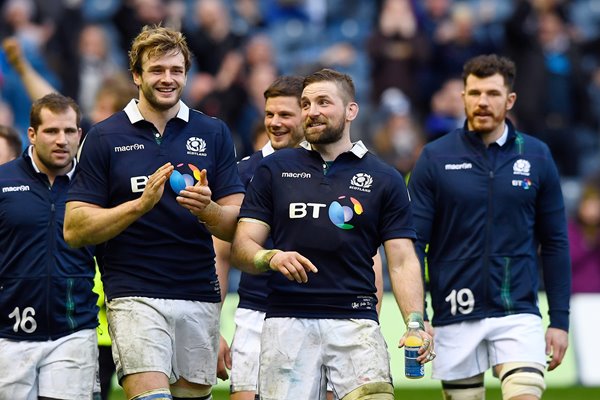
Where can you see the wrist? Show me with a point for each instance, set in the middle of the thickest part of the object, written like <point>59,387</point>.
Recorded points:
<point>262,259</point>
<point>211,215</point>
<point>417,317</point>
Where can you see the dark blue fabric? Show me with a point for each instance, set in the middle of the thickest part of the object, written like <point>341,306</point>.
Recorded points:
<point>166,253</point>
<point>45,286</point>
<point>338,221</point>
<point>484,212</point>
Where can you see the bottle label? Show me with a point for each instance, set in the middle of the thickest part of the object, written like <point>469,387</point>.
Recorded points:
<point>412,368</point>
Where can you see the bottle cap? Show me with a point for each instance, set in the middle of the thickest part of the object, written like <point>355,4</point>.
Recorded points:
<point>413,325</point>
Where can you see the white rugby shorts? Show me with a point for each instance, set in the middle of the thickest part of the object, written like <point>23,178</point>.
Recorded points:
<point>469,348</point>
<point>300,355</point>
<point>64,368</point>
<point>245,350</point>
<point>179,338</point>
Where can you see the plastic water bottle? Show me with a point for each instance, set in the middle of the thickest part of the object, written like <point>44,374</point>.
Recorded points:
<point>412,368</point>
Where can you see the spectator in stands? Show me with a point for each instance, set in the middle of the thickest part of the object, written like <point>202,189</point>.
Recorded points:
<point>551,85</point>
<point>446,109</point>
<point>95,64</point>
<point>398,50</point>
<point>584,238</point>
<point>10,144</point>
<point>399,140</point>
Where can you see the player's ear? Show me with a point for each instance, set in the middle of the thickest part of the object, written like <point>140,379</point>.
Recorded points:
<point>510,102</point>
<point>351,111</point>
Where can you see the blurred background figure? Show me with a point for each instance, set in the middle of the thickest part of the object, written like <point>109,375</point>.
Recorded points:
<point>10,144</point>
<point>584,238</point>
<point>446,109</point>
<point>584,242</point>
<point>397,51</point>
<point>96,64</point>
<point>550,81</point>
<point>399,140</point>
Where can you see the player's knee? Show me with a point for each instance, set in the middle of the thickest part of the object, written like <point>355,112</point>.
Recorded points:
<point>519,379</point>
<point>464,389</point>
<point>372,391</point>
<point>156,394</point>
<point>197,392</point>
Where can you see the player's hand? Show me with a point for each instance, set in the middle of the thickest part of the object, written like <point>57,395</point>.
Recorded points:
<point>557,342</point>
<point>426,352</point>
<point>14,54</point>
<point>429,328</point>
<point>224,360</point>
<point>197,198</point>
<point>293,265</point>
<point>155,187</point>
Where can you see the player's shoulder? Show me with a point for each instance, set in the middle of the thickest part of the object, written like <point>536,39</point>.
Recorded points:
<point>199,119</point>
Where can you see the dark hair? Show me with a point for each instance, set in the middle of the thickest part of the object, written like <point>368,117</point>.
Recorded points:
<point>343,81</point>
<point>156,41</point>
<point>15,144</point>
<point>287,85</point>
<point>484,66</point>
<point>57,103</point>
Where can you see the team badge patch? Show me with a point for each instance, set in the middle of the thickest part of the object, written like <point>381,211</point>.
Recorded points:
<point>521,167</point>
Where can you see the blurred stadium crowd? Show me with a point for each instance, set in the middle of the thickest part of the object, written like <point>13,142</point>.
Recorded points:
<point>405,57</point>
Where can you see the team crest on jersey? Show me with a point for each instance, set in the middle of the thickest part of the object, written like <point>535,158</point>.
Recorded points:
<point>196,146</point>
<point>521,167</point>
<point>362,182</point>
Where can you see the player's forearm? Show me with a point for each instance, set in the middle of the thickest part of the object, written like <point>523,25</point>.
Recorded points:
<point>408,291</point>
<point>222,255</point>
<point>242,255</point>
<point>220,220</point>
<point>89,225</point>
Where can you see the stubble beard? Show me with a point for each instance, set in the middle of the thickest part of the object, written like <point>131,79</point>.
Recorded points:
<point>331,134</point>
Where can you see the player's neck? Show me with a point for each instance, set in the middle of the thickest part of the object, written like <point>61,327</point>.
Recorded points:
<point>157,117</point>
<point>330,151</point>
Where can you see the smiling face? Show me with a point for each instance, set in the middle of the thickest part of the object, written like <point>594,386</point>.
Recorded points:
<point>283,121</point>
<point>487,101</point>
<point>162,80</point>
<point>323,113</point>
<point>55,141</point>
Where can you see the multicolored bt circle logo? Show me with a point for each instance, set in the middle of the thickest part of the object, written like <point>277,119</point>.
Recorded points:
<point>183,176</point>
<point>342,211</point>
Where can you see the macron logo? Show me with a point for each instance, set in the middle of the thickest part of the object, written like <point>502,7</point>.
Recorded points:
<point>301,175</point>
<point>131,147</point>
<point>458,166</point>
<point>22,188</point>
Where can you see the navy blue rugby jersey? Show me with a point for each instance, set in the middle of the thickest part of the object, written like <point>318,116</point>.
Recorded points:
<point>166,253</point>
<point>336,218</point>
<point>484,213</point>
<point>253,290</point>
<point>45,285</point>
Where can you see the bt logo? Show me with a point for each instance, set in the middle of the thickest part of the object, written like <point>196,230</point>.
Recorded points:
<point>340,212</point>
<point>179,180</point>
<point>525,183</point>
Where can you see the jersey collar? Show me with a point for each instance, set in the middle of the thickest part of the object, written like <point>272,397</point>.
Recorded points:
<point>267,149</point>
<point>358,148</point>
<point>134,115</point>
<point>36,168</point>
